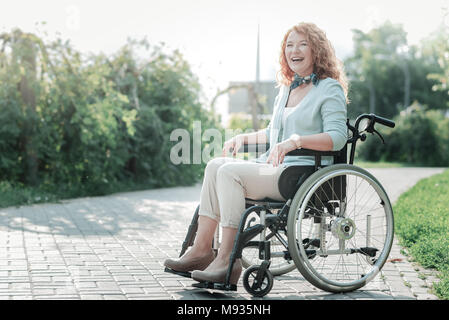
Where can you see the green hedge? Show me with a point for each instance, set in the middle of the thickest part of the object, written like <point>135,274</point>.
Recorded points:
<point>79,124</point>
<point>421,137</point>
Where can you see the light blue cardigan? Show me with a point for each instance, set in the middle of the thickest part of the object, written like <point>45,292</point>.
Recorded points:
<point>323,109</point>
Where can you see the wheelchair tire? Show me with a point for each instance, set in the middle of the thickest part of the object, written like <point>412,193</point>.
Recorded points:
<point>250,285</point>
<point>341,221</point>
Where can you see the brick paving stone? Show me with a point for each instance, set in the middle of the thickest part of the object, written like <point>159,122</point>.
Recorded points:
<point>41,279</point>
<point>19,297</point>
<point>115,297</point>
<point>398,295</point>
<point>57,297</point>
<point>66,291</point>
<point>44,292</point>
<point>426,296</point>
<point>91,296</point>
<point>17,286</point>
<point>132,289</point>
<point>86,285</point>
<point>9,292</point>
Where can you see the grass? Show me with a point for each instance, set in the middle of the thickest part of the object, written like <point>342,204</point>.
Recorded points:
<point>386,164</point>
<point>17,194</point>
<point>422,225</point>
<point>380,164</point>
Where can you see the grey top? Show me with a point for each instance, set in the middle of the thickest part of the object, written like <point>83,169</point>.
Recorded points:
<point>323,109</point>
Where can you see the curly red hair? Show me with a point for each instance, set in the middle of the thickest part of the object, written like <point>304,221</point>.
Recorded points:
<point>326,64</point>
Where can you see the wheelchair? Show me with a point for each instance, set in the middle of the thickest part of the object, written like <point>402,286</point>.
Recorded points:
<point>336,226</point>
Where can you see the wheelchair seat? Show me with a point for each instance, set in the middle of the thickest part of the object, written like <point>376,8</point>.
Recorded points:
<point>289,182</point>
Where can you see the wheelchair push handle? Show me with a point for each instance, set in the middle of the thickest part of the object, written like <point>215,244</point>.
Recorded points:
<point>366,122</point>
<point>383,121</point>
<point>371,119</point>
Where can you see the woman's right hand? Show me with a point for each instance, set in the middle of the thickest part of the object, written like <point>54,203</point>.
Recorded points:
<point>233,144</point>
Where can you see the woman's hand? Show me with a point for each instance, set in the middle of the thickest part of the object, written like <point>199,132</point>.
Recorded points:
<point>235,143</point>
<point>277,154</point>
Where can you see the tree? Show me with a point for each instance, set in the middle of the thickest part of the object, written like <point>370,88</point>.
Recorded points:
<point>79,125</point>
<point>386,74</point>
<point>373,68</point>
<point>24,51</point>
<point>437,47</point>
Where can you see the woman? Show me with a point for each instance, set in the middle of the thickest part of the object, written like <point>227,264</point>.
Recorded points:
<point>309,112</point>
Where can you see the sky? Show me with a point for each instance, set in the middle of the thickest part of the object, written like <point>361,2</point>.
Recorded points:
<point>217,37</point>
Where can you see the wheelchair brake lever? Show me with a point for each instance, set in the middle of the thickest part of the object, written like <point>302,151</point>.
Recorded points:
<point>380,136</point>
<point>250,222</point>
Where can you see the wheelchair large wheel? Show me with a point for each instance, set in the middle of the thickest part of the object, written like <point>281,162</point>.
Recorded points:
<point>279,264</point>
<point>340,228</point>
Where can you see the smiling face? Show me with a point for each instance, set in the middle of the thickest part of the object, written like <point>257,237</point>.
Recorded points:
<point>298,54</point>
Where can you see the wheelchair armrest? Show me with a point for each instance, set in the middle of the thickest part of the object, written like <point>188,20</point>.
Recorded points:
<point>309,152</point>
<point>297,152</point>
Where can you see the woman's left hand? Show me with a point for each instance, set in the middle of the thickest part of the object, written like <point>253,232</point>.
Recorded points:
<point>277,154</point>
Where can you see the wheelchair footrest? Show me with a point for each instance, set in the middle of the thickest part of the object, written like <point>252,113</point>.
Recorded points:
<point>179,273</point>
<point>216,286</point>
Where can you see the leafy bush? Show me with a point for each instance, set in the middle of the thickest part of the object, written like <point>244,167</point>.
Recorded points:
<point>84,125</point>
<point>421,137</point>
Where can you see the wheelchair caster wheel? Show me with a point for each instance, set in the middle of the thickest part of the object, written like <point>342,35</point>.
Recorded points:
<point>256,283</point>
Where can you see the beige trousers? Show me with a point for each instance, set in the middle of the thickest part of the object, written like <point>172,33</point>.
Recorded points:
<point>228,181</point>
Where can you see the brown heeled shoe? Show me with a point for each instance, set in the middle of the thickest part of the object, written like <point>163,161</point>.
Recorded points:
<point>220,275</point>
<point>189,264</point>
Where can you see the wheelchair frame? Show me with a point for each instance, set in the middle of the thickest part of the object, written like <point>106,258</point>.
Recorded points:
<point>263,279</point>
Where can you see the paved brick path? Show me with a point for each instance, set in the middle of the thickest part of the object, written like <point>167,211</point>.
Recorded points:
<point>113,247</point>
